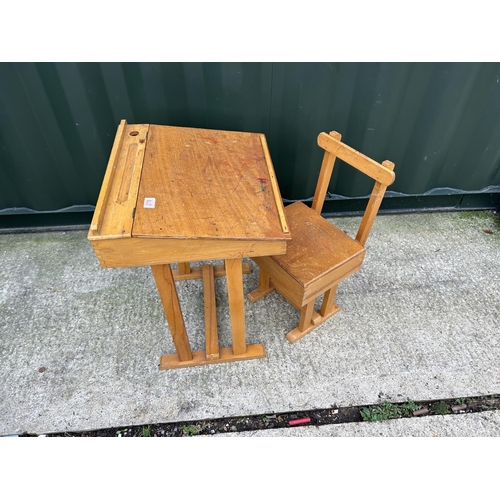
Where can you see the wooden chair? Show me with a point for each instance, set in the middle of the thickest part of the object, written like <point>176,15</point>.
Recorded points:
<point>320,255</point>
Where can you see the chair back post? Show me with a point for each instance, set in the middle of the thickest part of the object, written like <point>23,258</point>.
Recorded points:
<point>372,207</point>
<point>325,174</point>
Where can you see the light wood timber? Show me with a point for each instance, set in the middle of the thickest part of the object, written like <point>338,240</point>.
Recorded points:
<point>207,184</point>
<point>325,175</point>
<point>116,211</point>
<point>274,185</point>
<point>301,275</point>
<point>320,255</point>
<point>184,268</point>
<point>170,301</point>
<point>306,316</point>
<point>234,278</point>
<point>211,337</point>
<point>332,247</point>
<point>178,195</point>
<point>264,287</point>
<point>258,294</point>
<point>328,304</point>
<point>108,179</point>
<point>195,273</point>
<point>133,252</point>
<point>356,159</point>
<point>296,334</point>
<point>253,351</point>
<point>372,207</point>
<point>285,284</point>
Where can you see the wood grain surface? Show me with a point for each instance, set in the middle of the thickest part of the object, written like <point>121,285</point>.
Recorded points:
<point>132,252</point>
<point>317,246</point>
<point>114,214</point>
<point>210,311</point>
<point>206,184</point>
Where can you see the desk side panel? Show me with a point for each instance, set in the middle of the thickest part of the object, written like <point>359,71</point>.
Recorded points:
<point>102,201</point>
<point>275,187</point>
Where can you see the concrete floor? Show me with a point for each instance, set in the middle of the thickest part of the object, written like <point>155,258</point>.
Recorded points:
<point>80,345</point>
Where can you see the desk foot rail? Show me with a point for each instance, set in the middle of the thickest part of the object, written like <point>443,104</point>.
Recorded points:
<point>171,361</point>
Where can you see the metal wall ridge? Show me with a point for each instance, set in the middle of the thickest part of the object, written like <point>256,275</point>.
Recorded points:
<point>28,211</point>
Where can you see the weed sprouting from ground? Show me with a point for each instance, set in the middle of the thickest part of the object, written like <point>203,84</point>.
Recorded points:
<point>440,408</point>
<point>387,411</point>
<point>145,432</point>
<point>190,430</point>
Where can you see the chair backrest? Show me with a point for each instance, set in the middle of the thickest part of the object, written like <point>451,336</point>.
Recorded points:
<point>382,174</point>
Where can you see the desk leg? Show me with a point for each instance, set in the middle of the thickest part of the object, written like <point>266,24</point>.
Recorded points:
<point>184,358</point>
<point>234,276</point>
<point>170,300</point>
<point>184,269</point>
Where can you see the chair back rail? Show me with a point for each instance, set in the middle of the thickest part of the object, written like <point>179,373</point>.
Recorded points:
<point>356,159</point>
<point>382,174</point>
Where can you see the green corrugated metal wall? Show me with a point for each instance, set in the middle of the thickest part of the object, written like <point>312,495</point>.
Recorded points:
<point>439,122</point>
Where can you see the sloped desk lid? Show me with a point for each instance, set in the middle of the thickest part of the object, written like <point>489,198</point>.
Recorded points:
<point>200,183</point>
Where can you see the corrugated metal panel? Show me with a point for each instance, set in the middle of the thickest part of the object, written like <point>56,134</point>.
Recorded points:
<point>58,120</point>
<point>437,121</point>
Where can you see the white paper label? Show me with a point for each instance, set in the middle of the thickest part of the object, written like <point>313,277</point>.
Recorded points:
<point>149,202</point>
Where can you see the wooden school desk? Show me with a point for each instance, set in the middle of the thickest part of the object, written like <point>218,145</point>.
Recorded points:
<point>177,194</point>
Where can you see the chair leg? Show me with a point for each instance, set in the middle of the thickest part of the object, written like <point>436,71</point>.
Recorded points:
<point>328,306</point>
<point>328,301</point>
<point>264,287</point>
<point>310,319</point>
<point>305,323</point>
<point>306,316</point>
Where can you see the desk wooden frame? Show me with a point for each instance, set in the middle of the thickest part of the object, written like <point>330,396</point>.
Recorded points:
<point>116,245</point>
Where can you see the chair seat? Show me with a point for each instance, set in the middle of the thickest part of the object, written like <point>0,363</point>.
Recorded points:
<point>317,248</point>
